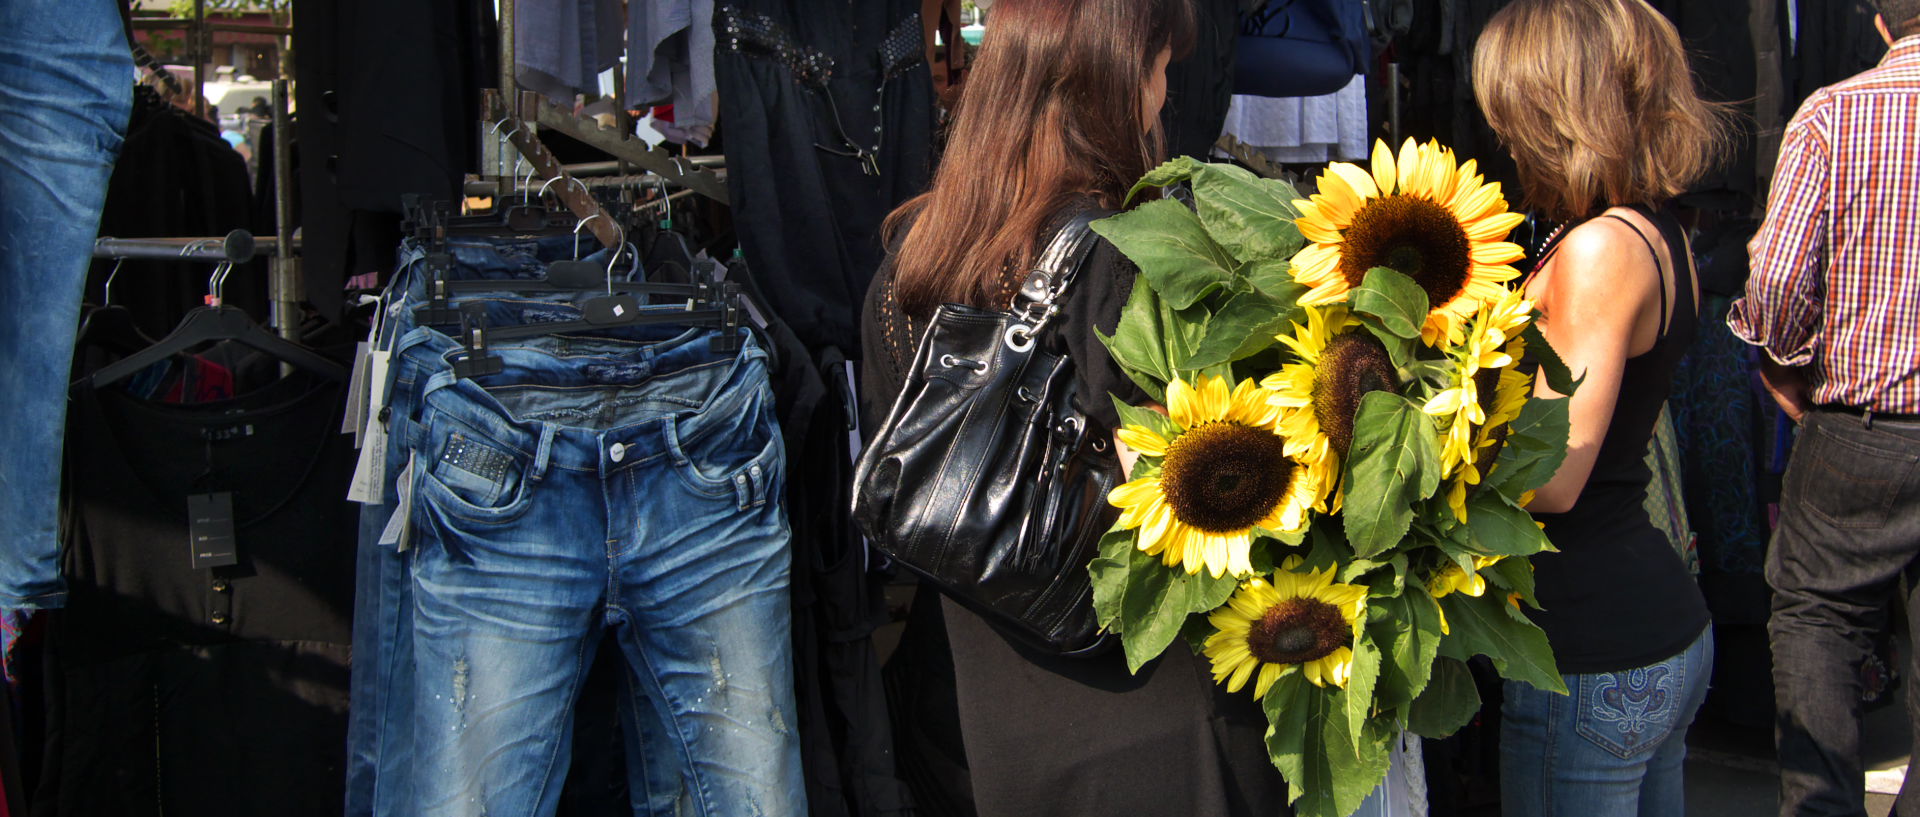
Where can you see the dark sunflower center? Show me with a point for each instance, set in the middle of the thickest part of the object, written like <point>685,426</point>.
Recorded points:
<point>1296,631</point>
<point>1352,365</point>
<point>1223,477</point>
<point>1413,236</point>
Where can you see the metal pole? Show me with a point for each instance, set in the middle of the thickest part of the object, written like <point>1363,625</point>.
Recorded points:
<point>1393,102</point>
<point>200,45</point>
<point>509,89</point>
<point>284,284</point>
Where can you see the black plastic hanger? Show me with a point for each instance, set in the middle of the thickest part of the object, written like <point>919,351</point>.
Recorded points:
<point>208,324</point>
<point>111,326</point>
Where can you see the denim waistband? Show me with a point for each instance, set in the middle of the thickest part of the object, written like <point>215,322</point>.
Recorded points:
<point>603,412</point>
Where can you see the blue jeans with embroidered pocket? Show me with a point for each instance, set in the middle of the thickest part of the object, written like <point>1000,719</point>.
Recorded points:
<point>1615,746</point>
<point>571,496</point>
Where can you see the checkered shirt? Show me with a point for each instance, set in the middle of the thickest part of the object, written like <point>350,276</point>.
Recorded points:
<point>1835,280</point>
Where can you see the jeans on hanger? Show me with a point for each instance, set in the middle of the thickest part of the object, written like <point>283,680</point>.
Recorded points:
<point>569,495</point>
<point>66,90</point>
<point>1616,746</point>
<point>379,736</point>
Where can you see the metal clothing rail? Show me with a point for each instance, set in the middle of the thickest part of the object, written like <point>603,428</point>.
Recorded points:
<point>237,247</point>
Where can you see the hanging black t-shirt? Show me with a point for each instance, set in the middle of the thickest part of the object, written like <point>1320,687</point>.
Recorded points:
<point>175,690</point>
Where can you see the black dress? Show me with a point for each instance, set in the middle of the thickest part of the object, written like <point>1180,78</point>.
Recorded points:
<point>1068,737</point>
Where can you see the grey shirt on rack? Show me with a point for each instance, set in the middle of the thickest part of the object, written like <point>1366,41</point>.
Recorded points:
<point>671,59</point>
<point>561,46</point>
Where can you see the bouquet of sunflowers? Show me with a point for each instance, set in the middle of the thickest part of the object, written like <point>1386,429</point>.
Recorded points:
<point>1329,501</point>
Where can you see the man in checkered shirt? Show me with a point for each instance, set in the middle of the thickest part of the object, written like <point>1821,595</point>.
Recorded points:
<point>1834,299</point>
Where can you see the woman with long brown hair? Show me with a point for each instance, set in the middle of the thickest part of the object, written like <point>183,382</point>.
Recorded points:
<point>1596,102</point>
<point>1060,113</point>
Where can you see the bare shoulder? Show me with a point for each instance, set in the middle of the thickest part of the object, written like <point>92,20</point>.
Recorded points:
<point>1603,265</point>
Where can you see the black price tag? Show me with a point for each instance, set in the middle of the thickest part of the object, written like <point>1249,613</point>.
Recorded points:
<point>210,530</point>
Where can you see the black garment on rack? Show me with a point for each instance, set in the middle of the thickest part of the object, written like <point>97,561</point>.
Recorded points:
<point>202,691</point>
<point>175,177</point>
<point>828,112</point>
<point>1200,87</point>
<point>390,97</point>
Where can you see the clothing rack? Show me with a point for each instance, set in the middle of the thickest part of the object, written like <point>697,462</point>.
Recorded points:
<point>236,247</point>
<point>528,107</point>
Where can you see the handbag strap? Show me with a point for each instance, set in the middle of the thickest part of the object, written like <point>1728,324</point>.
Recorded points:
<point>1039,298</point>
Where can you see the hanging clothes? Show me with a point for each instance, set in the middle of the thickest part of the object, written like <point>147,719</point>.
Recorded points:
<point>670,59</point>
<point>829,125</point>
<point>561,46</point>
<point>213,689</point>
<point>1200,87</point>
<point>175,177</point>
<point>1305,130</point>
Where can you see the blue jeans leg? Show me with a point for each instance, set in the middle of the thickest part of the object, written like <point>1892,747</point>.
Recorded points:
<point>66,89</point>
<point>1614,747</point>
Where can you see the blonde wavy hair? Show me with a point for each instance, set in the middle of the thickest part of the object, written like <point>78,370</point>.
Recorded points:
<point>1597,102</point>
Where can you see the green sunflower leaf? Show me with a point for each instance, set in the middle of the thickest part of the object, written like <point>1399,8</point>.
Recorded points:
<point>1173,171</point>
<point>1393,298</point>
<point>1109,571</point>
<point>1402,352</point>
<point>1535,446</point>
<point>1357,698</point>
<point>1559,377</point>
<point>1514,576</point>
<point>1330,761</point>
<point>1173,250</point>
<point>1146,418</point>
<point>1274,277</point>
<point>1245,325</point>
<point>1136,342</point>
<point>1497,528</point>
<point>1250,216</point>
<point>1195,633</point>
<point>1394,463</point>
<point>1450,701</point>
<point>1185,330</point>
<point>1155,601</point>
<point>1411,635</point>
<point>1519,649</point>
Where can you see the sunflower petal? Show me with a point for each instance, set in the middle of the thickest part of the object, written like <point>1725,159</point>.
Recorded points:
<point>1181,401</point>
<point>1408,165</point>
<point>1499,252</point>
<point>1359,180</point>
<point>1383,172</point>
<point>1143,440</point>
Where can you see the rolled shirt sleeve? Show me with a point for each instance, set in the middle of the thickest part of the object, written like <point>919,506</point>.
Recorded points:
<point>1781,311</point>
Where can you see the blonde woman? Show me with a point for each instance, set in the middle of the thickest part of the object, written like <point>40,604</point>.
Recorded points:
<point>1596,102</point>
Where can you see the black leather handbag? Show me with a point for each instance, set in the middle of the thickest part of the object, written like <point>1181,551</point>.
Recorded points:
<point>987,480</point>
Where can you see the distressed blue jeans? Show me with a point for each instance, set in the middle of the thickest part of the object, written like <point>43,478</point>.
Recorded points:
<point>379,730</point>
<point>1615,746</point>
<point>66,89</point>
<point>571,495</point>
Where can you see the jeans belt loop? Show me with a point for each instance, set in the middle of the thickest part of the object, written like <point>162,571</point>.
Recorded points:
<point>544,452</point>
<point>1866,418</point>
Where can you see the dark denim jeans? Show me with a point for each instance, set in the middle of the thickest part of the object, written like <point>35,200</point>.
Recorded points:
<point>1849,529</point>
<point>66,88</point>
<point>572,494</point>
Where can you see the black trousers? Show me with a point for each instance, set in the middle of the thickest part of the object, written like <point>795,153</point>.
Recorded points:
<point>1849,530</point>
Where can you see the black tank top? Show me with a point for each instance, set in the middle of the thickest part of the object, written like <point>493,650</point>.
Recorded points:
<point>1617,596</point>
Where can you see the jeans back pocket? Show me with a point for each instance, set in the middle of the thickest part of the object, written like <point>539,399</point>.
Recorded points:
<point>1629,712</point>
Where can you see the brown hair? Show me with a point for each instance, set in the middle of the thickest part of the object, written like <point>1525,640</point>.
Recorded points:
<point>1597,103</point>
<point>1902,16</point>
<point>1051,111</point>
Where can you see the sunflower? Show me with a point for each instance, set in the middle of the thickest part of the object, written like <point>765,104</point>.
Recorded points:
<point>1509,395</point>
<point>1225,473</point>
<point>1318,395</point>
<point>1492,342</point>
<point>1454,578</point>
<point>1297,621</point>
<point>1419,215</point>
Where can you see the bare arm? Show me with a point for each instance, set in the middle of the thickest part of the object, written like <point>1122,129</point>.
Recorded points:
<point>1600,287</point>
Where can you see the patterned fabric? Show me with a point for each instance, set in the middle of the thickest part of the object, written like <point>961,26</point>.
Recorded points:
<point>1666,502</point>
<point>1836,267</point>
<point>1720,426</point>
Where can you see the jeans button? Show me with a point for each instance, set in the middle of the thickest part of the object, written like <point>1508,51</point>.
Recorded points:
<point>617,452</point>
